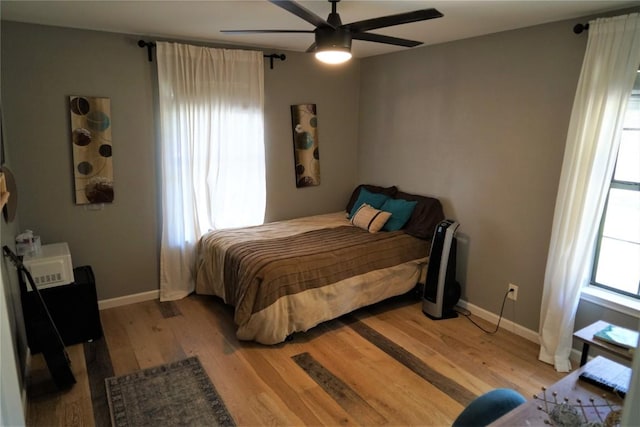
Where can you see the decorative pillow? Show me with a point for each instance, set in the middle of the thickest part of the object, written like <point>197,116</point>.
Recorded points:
<point>389,191</point>
<point>369,218</point>
<point>400,210</point>
<point>375,200</point>
<point>425,217</point>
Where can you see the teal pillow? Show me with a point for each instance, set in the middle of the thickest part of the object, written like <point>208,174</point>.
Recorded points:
<point>401,211</point>
<point>375,200</point>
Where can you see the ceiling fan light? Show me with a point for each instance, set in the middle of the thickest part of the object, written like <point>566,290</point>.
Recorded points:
<point>333,56</point>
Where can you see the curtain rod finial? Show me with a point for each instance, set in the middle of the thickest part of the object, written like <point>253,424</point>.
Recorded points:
<point>579,28</point>
<point>149,46</point>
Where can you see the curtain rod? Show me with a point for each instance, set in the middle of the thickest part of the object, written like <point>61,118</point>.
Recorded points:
<point>579,28</point>
<point>151,45</point>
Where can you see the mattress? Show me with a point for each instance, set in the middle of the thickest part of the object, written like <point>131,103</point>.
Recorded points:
<point>289,276</point>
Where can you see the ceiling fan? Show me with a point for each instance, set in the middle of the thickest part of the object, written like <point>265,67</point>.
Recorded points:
<point>333,38</point>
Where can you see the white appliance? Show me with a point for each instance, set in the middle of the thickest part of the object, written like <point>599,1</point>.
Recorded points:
<point>50,267</point>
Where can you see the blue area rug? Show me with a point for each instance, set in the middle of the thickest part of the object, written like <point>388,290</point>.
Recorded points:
<point>175,394</point>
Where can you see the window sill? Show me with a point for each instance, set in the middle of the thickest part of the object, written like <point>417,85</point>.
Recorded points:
<point>611,300</point>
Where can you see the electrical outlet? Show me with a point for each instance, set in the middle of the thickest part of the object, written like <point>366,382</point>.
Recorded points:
<point>513,294</point>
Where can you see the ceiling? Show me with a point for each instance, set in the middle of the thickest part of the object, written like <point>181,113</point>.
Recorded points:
<point>203,20</point>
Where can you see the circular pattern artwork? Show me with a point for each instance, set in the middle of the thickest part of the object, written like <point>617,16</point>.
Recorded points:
<point>81,137</point>
<point>92,149</point>
<point>105,150</point>
<point>85,168</point>
<point>305,145</point>
<point>79,105</point>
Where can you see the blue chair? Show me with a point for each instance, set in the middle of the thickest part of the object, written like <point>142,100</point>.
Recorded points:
<point>489,407</point>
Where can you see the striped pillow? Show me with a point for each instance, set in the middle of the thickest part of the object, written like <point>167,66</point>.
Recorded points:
<point>369,218</point>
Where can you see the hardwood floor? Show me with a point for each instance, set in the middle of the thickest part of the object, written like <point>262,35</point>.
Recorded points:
<point>386,364</point>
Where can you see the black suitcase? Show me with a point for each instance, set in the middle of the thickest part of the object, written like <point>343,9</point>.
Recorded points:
<point>73,308</point>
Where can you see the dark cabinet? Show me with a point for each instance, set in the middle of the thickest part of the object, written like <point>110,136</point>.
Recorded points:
<point>73,309</point>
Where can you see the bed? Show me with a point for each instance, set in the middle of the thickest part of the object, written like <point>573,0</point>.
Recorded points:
<point>289,276</point>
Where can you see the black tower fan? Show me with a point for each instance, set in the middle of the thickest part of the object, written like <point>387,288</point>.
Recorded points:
<point>441,291</point>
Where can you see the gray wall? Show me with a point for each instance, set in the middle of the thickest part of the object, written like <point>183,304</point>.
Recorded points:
<point>13,344</point>
<point>13,339</point>
<point>44,65</point>
<point>334,90</point>
<point>480,123</point>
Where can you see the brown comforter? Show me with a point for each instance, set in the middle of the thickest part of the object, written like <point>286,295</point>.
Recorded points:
<point>257,273</point>
<point>289,276</point>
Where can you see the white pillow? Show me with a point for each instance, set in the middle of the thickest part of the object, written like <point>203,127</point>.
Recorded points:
<point>369,218</point>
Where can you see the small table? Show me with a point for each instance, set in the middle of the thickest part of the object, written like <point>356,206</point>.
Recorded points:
<point>586,336</point>
<point>535,412</point>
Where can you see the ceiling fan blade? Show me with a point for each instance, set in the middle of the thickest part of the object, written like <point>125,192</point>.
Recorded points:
<point>264,31</point>
<point>312,48</point>
<point>302,12</point>
<point>390,20</point>
<point>378,38</point>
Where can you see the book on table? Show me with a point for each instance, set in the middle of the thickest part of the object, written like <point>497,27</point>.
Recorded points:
<point>619,336</point>
<point>608,375</point>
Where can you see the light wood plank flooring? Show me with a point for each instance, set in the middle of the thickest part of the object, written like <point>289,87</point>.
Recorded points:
<point>386,364</point>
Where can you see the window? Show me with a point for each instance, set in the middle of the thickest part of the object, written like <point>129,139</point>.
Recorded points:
<point>617,258</point>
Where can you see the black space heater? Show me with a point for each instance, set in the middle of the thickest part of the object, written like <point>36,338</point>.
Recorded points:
<point>441,290</point>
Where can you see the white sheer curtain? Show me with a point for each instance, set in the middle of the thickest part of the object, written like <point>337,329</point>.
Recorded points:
<point>212,151</point>
<point>611,60</point>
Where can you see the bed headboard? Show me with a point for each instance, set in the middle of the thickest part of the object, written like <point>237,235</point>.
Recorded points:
<point>425,217</point>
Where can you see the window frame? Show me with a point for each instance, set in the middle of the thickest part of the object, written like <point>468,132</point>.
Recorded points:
<point>622,185</point>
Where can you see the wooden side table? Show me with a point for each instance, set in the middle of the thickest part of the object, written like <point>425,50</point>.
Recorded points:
<point>586,336</point>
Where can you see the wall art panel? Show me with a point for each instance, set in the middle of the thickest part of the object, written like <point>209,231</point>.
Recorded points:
<point>304,121</point>
<point>92,149</point>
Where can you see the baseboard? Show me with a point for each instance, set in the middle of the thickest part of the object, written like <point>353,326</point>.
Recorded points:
<point>505,324</point>
<point>517,329</point>
<point>474,309</point>
<point>128,299</point>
